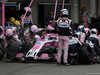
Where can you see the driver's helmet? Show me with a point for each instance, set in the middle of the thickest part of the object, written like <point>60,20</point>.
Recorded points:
<point>52,37</point>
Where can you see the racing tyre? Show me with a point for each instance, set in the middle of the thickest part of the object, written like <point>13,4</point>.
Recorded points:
<point>86,54</point>
<point>14,47</point>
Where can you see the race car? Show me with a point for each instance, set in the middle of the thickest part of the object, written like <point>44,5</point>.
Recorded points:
<point>45,48</point>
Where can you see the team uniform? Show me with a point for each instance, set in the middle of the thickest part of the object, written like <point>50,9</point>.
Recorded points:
<point>27,22</point>
<point>95,40</point>
<point>64,25</point>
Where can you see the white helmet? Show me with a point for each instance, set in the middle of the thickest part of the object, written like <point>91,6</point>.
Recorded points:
<point>64,12</point>
<point>94,30</point>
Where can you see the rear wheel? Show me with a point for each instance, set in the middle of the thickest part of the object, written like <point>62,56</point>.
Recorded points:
<point>86,54</point>
<point>15,47</point>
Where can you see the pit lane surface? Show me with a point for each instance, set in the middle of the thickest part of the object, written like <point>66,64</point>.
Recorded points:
<point>46,68</point>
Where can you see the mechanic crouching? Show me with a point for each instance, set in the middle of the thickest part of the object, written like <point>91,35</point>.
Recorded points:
<point>30,38</point>
<point>73,51</point>
<point>95,39</point>
<point>9,38</point>
<point>64,24</point>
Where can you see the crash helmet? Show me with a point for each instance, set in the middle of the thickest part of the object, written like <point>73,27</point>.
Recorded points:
<point>17,23</point>
<point>37,37</point>
<point>81,28</point>
<point>27,9</point>
<point>1,30</point>
<point>14,29</point>
<point>49,27</point>
<point>34,28</point>
<point>12,19</point>
<point>9,32</point>
<point>94,31</point>
<point>64,12</point>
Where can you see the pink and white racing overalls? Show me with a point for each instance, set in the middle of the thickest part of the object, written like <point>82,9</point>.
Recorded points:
<point>26,21</point>
<point>13,38</point>
<point>63,43</point>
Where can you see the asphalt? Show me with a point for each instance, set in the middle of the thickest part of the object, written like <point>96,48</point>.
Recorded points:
<point>46,68</point>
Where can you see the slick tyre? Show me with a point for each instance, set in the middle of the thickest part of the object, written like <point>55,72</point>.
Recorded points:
<point>14,47</point>
<point>86,55</point>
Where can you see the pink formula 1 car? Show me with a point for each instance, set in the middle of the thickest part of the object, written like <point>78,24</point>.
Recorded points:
<point>44,48</point>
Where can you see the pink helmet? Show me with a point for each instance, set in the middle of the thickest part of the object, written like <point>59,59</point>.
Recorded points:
<point>14,29</point>
<point>27,9</point>
<point>94,30</point>
<point>34,28</point>
<point>50,27</point>
<point>9,32</point>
